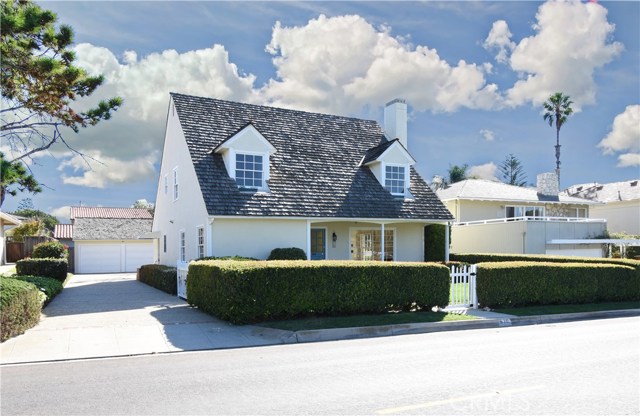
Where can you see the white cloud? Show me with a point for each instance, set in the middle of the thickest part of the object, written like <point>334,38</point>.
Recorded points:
<point>629,160</point>
<point>572,41</point>
<point>61,213</point>
<point>488,135</point>
<point>110,171</point>
<point>342,64</point>
<point>499,39</point>
<point>486,171</point>
<point>625,133</point>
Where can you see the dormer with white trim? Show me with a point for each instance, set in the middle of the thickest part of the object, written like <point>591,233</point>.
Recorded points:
<point>246,157</point>
<point>391,164</point>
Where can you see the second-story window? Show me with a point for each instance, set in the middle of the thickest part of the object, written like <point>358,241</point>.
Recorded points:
<point>249,171</point>
<point>175,183</point>
<point>395,179</point>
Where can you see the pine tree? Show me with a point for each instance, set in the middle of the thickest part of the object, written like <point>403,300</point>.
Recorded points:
<point>512,171</point>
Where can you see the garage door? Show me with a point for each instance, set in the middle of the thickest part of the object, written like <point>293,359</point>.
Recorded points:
<point>113,257</point>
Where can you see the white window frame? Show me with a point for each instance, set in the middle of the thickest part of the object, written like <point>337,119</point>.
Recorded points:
<point>176,184</point>
<point>200,242</point>
<point>374,228</point>
<point>521,211</point>
<point>265,168</point>
<point>166,184</point>
<point>182,245</point>
<point>406,174</point>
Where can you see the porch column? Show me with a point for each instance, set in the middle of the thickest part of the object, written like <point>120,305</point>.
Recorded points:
<point>382,242</point>
<point>309,240</point>
<point>446,242</point>
<point>209,237</point>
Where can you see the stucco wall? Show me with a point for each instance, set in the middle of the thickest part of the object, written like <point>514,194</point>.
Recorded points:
<point>622,217</point>
<point>520,237</point>
<point>256,237</point>
<point>188,211</point>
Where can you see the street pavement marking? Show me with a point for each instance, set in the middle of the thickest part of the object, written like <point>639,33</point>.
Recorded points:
<point>393,410</point>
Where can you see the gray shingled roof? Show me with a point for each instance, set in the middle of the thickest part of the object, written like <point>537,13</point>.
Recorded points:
<point>486,190</point>
<point>315,172</point>
<point>110,228</point>
<point>607,192</point>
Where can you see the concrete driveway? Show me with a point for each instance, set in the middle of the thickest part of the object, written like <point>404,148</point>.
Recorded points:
<point>106,315</point>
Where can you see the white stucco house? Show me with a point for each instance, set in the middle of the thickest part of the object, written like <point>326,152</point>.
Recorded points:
<point>620,203</point>
<point>241,179</point>
<point>494,217</point>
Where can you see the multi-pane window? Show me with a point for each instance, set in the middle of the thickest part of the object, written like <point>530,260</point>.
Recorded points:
<point>394,179</point>
<point>183,247</point>
<point>200,242</point>
<point>522,211</point>
<point>249,171</point>
<point>175,184</point>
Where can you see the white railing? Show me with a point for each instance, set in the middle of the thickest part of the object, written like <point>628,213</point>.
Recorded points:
<point>463,287</point>
<point>183,268</point>
<point>514,219</point>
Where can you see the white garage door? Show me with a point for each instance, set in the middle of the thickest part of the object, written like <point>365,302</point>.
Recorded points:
<point>113,257</point>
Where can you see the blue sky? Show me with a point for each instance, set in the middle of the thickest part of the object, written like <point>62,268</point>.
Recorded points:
<point>473,73</point>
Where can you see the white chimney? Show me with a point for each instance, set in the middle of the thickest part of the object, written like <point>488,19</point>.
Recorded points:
<point>547,184</point>
<point>395,120</point>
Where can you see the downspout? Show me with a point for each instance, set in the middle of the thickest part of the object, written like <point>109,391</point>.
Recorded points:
<point>382,258</point>
<point>446,242</point>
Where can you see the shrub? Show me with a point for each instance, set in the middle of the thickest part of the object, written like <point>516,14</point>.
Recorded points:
<point>234,258</point>
<point>49,250</point>
<point>434,242</point>
<point>21,304</point>
<point>54,268</point>
<point>510,284</point>
<point>292,253</point>
<point>474,258</point>
<point>161,277</point>
<point>50,287</point>
<point>245,292</point>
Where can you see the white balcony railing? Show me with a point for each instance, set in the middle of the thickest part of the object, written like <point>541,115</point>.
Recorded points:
<point>549,219</point>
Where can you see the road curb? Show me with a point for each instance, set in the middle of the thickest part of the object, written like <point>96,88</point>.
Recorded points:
<point>335,334</point>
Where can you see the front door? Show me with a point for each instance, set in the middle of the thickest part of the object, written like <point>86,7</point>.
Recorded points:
<point>318,244</point>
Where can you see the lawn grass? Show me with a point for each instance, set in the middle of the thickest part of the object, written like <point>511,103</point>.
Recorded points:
<point>390,318</point>
<point>555,309</point>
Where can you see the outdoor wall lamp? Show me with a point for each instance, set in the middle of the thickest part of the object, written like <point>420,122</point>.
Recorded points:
<point>334,238</point>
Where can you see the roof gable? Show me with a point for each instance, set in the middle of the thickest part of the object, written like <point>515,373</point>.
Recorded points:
<point>390,152</point>
<point>247,139</point>
<point>315,172</point>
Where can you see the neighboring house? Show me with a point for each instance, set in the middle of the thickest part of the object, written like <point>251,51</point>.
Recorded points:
<point>494,217</point>
<point>6,220</point>
<point>241,179</point>
<point>111,240</point>
<point>621,203</point>
<point>64,234</point>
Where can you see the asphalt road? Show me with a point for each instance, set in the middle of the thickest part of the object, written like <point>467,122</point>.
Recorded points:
<point>589,367</point>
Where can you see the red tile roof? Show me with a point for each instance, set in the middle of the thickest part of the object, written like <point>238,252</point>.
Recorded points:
<point>62,231</point>
<point>104,212</point>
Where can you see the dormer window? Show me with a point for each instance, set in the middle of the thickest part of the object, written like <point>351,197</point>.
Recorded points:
<point>246,156</point>
<point>395,179</point>
<point>249,171</point>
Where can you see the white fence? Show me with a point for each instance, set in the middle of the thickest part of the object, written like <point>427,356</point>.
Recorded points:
<point>463,287</point>
<point>183,268</point>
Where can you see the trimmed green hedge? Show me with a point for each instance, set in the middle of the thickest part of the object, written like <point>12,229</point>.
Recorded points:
<point>21,304</point>
<point>50,287</point>
<point>291,253</point>
<point>434,242</point>
<point>161,277</point>
<point>247,292</point>
<point>54,268</point>
<point>49,250</point>
<point>474,258</point>
<point>512,284</point>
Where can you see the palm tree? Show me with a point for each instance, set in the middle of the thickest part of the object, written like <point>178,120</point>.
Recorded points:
<point>557,109</point>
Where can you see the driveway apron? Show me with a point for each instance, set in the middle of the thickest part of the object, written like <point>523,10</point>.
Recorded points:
<point>107,315</point>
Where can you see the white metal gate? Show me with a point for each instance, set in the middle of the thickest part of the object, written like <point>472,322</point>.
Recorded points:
<point>183,268</point>
<point>463,287</point>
